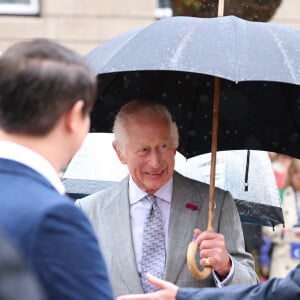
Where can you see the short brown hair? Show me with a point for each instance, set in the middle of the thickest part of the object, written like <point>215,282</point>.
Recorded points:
<point>39,81</point>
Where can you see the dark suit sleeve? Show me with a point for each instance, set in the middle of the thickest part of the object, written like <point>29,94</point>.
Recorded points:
<point>16,280</point>
<point>67,256</point>
<point>288,288</point>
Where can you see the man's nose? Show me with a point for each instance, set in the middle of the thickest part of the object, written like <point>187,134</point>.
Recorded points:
<point>155,158</point>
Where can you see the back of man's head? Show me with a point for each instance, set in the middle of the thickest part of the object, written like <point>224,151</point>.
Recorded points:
<point>39,81</point>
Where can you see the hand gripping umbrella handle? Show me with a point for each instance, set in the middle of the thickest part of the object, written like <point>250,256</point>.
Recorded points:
<point>191,262</point>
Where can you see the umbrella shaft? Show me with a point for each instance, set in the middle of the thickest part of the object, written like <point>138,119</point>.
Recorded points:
<point>214,146</point>
<point>221,8</point>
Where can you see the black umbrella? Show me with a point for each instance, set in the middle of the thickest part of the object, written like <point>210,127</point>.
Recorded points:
<point>179,61</point>
<point>174,61</point>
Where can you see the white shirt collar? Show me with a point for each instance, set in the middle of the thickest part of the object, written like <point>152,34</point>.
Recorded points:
<point>136,194</point>
<point>35,161</point>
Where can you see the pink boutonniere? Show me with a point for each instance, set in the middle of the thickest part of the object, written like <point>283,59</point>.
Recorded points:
<point>192,206</point>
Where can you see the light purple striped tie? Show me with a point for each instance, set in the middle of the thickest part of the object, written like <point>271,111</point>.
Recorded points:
<point>154,252</point>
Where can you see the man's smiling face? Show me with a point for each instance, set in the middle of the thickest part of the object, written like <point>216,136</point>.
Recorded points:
<point>149,152</point>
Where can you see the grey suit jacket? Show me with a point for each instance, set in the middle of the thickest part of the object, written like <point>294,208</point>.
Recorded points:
<point>109,213</point>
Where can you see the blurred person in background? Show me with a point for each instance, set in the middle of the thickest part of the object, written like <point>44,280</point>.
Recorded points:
<point>280,164</point>
<point>286,239</point>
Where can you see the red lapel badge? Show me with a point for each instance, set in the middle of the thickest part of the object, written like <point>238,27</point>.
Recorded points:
<point>192,206</point>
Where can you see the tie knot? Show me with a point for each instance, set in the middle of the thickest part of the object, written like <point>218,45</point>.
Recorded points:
<point>151,198</point>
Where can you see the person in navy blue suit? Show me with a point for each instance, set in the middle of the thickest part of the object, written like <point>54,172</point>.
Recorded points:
<point>272,289</point>
<point>46,95</point>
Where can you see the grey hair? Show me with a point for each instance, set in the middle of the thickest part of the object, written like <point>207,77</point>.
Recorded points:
<point>139,108</point>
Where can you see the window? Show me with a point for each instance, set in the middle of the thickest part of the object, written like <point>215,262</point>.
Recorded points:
<point>20,7</point>
<point>163,9</point>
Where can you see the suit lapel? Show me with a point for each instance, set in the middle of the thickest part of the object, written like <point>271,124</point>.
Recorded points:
<point>120,234</point>
<point>182,223</point>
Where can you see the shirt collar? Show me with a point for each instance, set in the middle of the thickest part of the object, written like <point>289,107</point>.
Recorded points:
<point>33,160</point>
<point>136,193</point>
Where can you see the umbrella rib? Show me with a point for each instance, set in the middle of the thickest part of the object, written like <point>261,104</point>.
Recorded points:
<point>182,45</point>
<point>116,51</point>
<point>284,55</point>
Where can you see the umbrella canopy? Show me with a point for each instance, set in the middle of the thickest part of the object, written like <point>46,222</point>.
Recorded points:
<point>250,180</point>
<point>174,61</point>
<point>96,166</point>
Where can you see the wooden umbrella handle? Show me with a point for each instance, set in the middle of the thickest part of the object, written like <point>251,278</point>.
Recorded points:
<point>191,262</point>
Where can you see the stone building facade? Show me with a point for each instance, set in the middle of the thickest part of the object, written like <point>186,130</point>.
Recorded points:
<point>82,25</point>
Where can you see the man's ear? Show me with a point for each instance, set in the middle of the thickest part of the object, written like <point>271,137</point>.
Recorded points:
<point>73,118</point>
<point>121,156</point>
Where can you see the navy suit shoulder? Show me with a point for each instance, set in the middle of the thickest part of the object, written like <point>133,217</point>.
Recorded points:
<point>55,236</point>
<point>273,289</point>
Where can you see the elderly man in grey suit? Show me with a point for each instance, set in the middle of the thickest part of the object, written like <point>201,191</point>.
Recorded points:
<point>125,216</point>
